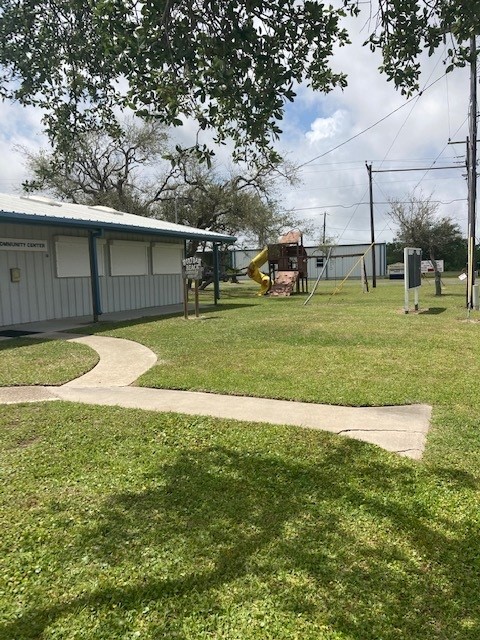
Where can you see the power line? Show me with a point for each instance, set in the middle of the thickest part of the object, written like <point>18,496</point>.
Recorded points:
<point>357,204</point>
<point>416,169</point>
<point>390,182</point>
<point>332,164</point>
<point>350,169</point>
<point>417,98</point>
<point>357,135</point>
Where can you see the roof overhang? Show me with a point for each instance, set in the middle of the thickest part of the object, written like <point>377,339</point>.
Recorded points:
<point>38,210</point>
<point>91,225</point>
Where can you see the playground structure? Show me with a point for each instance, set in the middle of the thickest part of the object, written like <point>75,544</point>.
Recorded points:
<point>253,272</point>
<point>287,266</point>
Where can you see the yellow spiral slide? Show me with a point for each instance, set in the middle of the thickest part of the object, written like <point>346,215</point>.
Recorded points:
<point>255,274</point>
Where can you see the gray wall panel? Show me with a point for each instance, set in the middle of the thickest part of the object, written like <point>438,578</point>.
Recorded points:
<point>41,295</point>
<point>136,292</point>
<point>5,305</point>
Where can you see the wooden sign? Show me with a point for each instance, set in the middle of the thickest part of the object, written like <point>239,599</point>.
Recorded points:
<point>192,268</point>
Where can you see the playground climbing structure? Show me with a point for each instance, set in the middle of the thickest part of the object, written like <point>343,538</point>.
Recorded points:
<point>287,267</point>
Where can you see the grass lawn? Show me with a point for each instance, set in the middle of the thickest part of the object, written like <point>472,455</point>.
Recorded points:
<point>31,361</point>
<point>129,524</point>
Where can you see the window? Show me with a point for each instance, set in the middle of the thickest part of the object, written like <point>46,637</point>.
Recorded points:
<point>73,258</point>
<point>167,258</point>
<point>320,262</point>
<point>128,258</point>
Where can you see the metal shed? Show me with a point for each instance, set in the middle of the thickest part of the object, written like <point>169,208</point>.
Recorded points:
<point>61,260</point>
<point>345,260</point>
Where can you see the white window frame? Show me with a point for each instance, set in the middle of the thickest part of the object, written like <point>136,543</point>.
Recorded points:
<point>128,258</point>
<point>72,257</point>
<point>167,258</point>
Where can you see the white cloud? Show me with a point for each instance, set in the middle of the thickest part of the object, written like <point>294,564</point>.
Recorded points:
<point>21,127</point>
<point>326,128</point>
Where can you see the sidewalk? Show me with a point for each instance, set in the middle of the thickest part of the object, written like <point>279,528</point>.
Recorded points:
<point>401,429</point>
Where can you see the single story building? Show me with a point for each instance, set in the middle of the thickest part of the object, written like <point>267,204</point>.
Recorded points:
<point>60,260</point>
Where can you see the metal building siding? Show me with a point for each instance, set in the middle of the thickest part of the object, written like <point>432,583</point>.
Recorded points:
<point>41,295</point>
<point>32,298</point>
<point>343,261</point>
<point>243,257</point>
<point>122,293</point>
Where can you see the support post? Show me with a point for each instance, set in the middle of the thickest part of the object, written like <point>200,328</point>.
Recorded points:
<point>185,298</point>
<point>472,173</point>
<point>216,274</point>
<point>364,276</point>
<point>197,306</point>
<point>372,226</point>
<point>94,279</point>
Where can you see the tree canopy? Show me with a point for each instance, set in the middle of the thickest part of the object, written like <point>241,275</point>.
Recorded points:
<point>134,170</point>
<point>404,29</point>
<point>242,203</point>
<point>95,168</point>
<point>230,65</point>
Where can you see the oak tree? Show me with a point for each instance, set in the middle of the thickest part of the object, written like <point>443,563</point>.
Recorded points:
<point>135,170</point>
<point>95,168</point>
<point>230,65</point>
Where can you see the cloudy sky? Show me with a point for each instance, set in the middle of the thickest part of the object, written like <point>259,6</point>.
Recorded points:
<point>316,133</point>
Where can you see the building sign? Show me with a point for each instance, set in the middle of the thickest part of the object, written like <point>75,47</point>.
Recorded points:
<point>192,268</point>
<point>412,261</point>
<point>22,244</point>
<point>427,266</point>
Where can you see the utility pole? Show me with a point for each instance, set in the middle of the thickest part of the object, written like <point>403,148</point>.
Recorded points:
<point>324,228</point>
<point>372,227</point>
<point>472,175</point>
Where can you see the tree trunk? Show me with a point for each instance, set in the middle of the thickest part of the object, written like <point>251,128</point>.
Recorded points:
<point>438,278</point>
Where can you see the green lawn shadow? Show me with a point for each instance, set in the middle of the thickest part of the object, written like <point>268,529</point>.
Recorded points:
<point>233,512</point>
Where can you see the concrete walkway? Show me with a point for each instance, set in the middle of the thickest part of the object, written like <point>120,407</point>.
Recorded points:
<point>401,429</point>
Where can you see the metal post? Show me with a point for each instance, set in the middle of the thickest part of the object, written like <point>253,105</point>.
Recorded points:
<point>185,283</point>
<point>372,226</point>
<point>475,297</point>
<point>94,280</point>
<point>216,274</point>
<point>197,305</point>
<point>472,173</point>
<point>185,298</point>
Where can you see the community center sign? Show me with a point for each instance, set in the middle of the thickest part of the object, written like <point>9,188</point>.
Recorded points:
<point>22,244</point>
